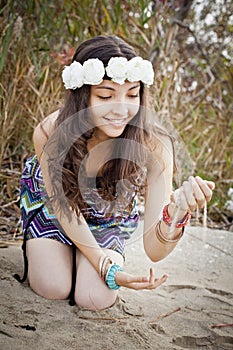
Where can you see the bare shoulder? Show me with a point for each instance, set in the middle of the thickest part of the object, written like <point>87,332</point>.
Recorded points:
<point>43,131</point>
<point>166,145</point>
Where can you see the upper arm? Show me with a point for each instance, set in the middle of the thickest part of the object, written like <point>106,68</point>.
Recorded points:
<point>159,181</point>
<point>42,132</point>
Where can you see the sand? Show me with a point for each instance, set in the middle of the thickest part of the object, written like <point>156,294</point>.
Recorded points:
<point>181,314</point>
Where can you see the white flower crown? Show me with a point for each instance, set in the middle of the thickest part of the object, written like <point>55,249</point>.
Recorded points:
<point>119,69</point>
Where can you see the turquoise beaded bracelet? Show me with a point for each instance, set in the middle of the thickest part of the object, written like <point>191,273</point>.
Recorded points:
<point>110,276</point>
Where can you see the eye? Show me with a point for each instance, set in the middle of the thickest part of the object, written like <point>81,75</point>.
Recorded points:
<point>104,97</point>
<point>134,96</point>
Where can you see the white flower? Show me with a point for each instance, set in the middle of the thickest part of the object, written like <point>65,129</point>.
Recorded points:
<point>93,71</point>
<point>147,76</point>
<point>135,69</point>
<point>139,69</point>
<point>117,69</point>
<point>72,76</point>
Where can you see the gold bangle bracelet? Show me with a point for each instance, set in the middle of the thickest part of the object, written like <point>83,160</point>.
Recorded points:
<point>109,262</point>
<point>162,238</point>
<point>106,261</point>
<point>100,264</point>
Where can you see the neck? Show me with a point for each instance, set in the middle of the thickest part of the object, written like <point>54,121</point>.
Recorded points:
<point>96,138</point>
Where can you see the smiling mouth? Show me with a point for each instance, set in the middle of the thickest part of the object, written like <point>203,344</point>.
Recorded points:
<point>116,122</point>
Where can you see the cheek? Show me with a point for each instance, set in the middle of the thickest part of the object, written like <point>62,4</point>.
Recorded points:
<point>133,110</point>
<point>104,110</point>
<point>100,110</point>
<point>99,113</point>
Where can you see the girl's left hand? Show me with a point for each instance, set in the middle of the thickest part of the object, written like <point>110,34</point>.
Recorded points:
<point>127,280</point>
<point>193,193</point>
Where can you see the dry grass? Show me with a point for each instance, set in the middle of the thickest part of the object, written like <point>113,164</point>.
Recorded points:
<point>38,38</point>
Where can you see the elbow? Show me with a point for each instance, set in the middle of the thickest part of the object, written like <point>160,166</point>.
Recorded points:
<point>152,255</point>
<point>155,259</point>
<point>154,251</point>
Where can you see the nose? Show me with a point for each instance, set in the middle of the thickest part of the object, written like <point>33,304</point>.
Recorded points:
<point>120,108</point>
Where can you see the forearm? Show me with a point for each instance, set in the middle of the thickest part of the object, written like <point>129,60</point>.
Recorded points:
<point>77,230</point>
<point>155,247</point>
<point>83,238</point>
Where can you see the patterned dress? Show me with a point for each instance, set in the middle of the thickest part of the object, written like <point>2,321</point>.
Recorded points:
<point>110,230</point>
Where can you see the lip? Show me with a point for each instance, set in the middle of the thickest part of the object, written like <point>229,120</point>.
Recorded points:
<point>116,121</point>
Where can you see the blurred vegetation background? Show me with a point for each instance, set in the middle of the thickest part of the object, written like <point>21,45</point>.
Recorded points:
<point>190,45</point>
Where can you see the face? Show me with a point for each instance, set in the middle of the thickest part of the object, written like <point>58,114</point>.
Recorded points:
<point>113,106</point>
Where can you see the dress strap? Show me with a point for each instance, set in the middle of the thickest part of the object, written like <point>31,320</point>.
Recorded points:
<point>74,273</point>
<point>16,275</point>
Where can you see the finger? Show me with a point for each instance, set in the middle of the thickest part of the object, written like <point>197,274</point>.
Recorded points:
<point>210,184</point>
<point>188,192</point>
<point>197,192</point>
<point>175,195</point>
<point>157,282</point>
<point>152,276</point>
<point>182,200</point>
<point>204,188</point>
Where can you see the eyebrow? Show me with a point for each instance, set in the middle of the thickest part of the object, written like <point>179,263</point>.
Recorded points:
<point>112,89</point>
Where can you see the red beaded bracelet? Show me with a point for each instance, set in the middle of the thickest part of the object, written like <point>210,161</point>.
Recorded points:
<point>168,220</point>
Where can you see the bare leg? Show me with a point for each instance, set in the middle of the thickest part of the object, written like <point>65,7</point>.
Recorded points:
<point>91,292</point>
<point>50,271</point>
<point>49,267</point>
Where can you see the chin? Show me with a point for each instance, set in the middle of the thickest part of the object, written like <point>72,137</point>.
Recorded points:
<point>113,132</point>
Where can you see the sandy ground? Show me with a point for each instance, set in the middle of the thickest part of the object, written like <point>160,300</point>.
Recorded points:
<point>179,315</point>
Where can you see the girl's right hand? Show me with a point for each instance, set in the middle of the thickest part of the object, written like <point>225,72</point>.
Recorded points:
<point>127,280</point>
<point>193,193</point>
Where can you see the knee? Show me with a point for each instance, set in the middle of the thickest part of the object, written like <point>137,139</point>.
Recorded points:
<point>58,290</point>
<point>95,300</point>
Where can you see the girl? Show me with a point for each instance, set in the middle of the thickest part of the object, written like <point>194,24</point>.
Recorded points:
<point>78,193</point>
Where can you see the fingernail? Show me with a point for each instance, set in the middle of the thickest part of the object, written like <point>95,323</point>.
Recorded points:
<point>212,183</point>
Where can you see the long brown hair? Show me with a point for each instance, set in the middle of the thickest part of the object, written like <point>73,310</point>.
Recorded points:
<point>69,150</point>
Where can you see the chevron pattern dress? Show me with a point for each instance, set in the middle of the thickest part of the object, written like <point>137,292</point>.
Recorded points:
<point>110,230</point>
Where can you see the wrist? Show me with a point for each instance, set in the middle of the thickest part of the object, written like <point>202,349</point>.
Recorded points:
<point>110,278</point>
<point>176,212</point>
<point>107,271</point>
<point>165,235</point>
<point>179,217</point>
<point>170,228</point>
